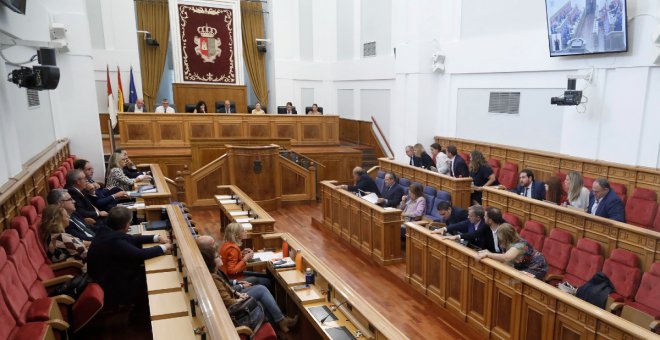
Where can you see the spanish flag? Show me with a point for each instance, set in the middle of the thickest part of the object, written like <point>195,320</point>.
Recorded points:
<point>120,93</point>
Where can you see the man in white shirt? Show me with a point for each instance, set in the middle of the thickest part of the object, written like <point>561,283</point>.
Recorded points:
<point>164,107</point>
<point>138,106</point>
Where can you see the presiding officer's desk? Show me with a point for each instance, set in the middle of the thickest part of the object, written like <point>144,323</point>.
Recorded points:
<point>375,230</point>
<point>501,302</point>
<point>236,206</point>
<point>460,189</point>
<point>609,233</point>
<point>183,299</point>
<point>329,289</point>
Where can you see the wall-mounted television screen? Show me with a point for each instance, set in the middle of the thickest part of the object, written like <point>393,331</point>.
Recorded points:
<point>17,6</point>
<point>578,27</point>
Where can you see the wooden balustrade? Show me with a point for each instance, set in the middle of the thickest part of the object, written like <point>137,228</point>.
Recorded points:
<point>31,181</point>
<point>501,302</point>
<point>459,188</point>
<point>360,132</point>
<point>609,233</point>
<point>360,315</point>
<point>375,230</point>
<point>261,223</point>
<point>546,164</point>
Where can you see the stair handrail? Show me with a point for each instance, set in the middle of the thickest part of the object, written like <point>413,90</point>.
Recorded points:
<point>380,132</point>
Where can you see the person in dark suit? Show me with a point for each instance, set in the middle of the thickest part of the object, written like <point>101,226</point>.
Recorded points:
<point>138,106</point>
<point>363,182</point>
<point>76,181</point>
<point>426,160</point>
<point>485,237</point>
<point>115,260</point>
<point>226,108</point>
<point>604,202</point>
<point>94,190</point>
<point>451,215</point>
<point>475,218</point>
<point>414,160</point>
<point>290,109</point>
<point>77,226</point>
<point>392,192</point>
<point>529,187</point>
<point>457,166</point>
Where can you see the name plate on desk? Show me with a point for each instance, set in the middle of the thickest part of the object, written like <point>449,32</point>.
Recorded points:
<point>238,213</point>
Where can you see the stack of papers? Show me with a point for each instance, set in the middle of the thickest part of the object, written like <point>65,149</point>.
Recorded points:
<point>247,226</point>
<point>267,255</point>
<point>238,213</point>
<point>224,197</point>
<point>229,201</point>
<point>372,198</point>
<point>244,219</point>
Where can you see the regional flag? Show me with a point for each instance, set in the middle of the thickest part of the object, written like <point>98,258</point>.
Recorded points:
<point>120,93</point>
<point>132,92</point>
<point>111,100</point>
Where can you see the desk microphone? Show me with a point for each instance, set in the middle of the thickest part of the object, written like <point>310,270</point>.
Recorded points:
<point>333,309</point>
<point>362,192</point>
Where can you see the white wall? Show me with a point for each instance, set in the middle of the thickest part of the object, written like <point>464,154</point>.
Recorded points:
<point>68,111</point>
<point>489,45</point>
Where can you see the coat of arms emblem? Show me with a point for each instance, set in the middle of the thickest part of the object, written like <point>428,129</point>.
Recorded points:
<point>207,46</point>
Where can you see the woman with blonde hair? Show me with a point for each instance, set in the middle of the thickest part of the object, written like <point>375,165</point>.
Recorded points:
<point>234,261</point>
<point>115,174</point>
<point>482,175</point>
<point>427,161</point>
<point>518,253</point>
<point>578,195</point>
<point>59,244</point>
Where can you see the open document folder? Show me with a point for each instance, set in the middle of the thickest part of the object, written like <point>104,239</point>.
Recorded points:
<point>372,198</point>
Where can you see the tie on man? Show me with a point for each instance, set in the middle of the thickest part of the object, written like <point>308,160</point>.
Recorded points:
<point>526,189</point>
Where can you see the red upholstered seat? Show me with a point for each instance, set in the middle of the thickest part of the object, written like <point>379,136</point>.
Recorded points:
<point>30,213</point>
<point>466,157</point>
<point>585,261</point>
<point>557,250</point>
<point>54,183</point>
<point>534,233</point>
<point>588,182</point>
<point>17,297</point>
<point>620,191</point>
<point>39,203</point>
<point>17,254</point>
<point>12,331</point>
<point>508,175</point>
<point>656,222</point>
<point>512,220</point>
<point>647,298</point>
<point>67,165</point>
<point>642,207</point>
<point>61,175</point>
<point>622,267</point>
<point>561,176</point>
<point>495,165</point>
<point>265,332</point>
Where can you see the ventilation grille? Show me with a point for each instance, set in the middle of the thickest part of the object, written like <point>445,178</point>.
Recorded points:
<point>504,102</point>
<point>369,49</point>
<point>32,98</point>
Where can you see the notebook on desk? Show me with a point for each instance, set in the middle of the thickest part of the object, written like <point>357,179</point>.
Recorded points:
<point>320,312</point>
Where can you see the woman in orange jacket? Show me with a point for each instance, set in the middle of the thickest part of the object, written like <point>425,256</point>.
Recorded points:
<point>234,261</point>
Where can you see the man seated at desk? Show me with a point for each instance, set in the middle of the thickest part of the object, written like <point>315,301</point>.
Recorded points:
<point>116,260</point>
<point>363,183</point>
<point>485,237</point>
<point>451,215</point>
<point>475,217</point>
<point>392,192</point>
<point>165,107</point>
<point>604,202</point>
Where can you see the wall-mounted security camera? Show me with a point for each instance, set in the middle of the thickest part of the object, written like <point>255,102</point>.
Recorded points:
<point>571,96</point>
<point>43,77</point>
<point>148,39</point>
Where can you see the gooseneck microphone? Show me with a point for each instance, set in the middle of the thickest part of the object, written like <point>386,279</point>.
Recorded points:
<point>333,309</point>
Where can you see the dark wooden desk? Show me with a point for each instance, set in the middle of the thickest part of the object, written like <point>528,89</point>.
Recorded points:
<point>375,230</point>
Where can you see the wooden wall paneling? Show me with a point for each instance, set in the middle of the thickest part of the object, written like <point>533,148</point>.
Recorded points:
<point>293,184</point>
<point>137,132</point>
<point>201,129</point>
<point>478,294</point>
<point>345,205</point>
<point>284,130</point>
<point>349,130</point>
<point>378,237</point>
<point>436,265</point>
<point>366,227</point>
<point>570,323</point>
<point>544,166</point>
<point>416,260</point>
<point>185,93</point>
<point>354,227</point>
<point>505,306</point>
<point>456,281</point>
<point>336,211</point>
<point>571,223</point>
<point>311,132</point>
<point>537,314</point>
<point>326,200</point>
<point>262,186</point>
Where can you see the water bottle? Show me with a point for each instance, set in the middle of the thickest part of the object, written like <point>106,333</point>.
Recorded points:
<point>309,277</point>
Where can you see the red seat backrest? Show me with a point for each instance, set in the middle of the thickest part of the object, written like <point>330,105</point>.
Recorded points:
<point>508,175</point>
<point>7,320</point>
<point>656,222</point>
<point>534,233</point>
<point>39,203</point>
<point>620,191</point>
<point>511,219</point>
<point>557,250</point>
<point>642,207</point>
<point>60,176</point>
<point>12,288</point>
<point>622,267</point>
<point>67,165</point>
<point>17,254</point>
<point>30,214</point>
<point>588,182</point>
<point>54,182</point>
<point>465,156</point>
<point>648,293</point>
<point>585,261</point>
<point>495,165</point>
<point>34,247</point>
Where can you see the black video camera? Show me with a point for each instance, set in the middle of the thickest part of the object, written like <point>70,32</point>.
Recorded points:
<point>571,96</point>
<point>42,77</point>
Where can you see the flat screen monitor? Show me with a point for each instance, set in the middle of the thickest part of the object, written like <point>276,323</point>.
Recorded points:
<point>17,6</point>
<point>579,27</point>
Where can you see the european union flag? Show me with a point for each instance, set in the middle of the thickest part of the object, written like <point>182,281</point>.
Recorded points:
<point>132,93</point>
